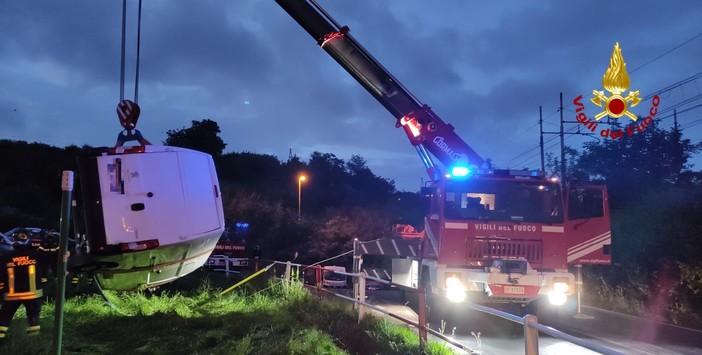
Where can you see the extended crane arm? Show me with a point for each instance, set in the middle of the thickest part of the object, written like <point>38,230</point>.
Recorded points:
<point>425,130</point>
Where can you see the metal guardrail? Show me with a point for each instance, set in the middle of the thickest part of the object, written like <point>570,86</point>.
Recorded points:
<point>532,327</point>
<point>530,322</point>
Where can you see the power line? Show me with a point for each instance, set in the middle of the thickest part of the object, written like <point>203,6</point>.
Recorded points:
<point>683,111</point>
<point>665,89</point>
<point>680,104</point>
<point>570,131</point>
<point>527,130</point>
<point>666,53</point>
<point>682,127</point>
<point>675,85</point>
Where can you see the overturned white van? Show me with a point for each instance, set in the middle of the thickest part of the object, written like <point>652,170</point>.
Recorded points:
<point>152,214</point>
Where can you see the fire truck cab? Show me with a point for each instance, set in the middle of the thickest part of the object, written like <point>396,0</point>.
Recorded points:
<point>505,236</point>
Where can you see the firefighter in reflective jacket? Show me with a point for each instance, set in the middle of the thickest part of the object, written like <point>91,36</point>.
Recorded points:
<point>21,274</point>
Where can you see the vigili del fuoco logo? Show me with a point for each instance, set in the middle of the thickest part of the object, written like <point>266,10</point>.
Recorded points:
<point>616,81</point>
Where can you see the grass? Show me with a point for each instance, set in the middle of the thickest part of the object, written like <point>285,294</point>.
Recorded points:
<point>262,318</point>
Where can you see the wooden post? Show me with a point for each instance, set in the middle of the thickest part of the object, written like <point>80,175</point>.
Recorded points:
<point>356,269</point>
<point>422,305</point>
<point>362,297</point>
<point>288,267</point>
<point>531,335</point>
<point>421,301</point>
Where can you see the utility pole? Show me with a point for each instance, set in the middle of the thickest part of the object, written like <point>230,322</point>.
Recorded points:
<point>562,134</point>
<point>563,165</point>
<point>541,143</point>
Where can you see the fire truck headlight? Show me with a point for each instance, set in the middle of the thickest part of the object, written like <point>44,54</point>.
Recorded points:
<point>561,287</point>
<point>455,291</point>
<point>559,295</point>
<point>557,299</point>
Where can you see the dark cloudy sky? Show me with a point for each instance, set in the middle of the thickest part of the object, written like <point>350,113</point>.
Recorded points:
<point>483,66</point>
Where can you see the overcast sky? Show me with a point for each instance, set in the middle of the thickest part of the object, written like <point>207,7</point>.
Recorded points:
<point>483,66</point>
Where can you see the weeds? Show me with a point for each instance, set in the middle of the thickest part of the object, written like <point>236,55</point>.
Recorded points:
<point>271,319</point>
<point>477,339</point>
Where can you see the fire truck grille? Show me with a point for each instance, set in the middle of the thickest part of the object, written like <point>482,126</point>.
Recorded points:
<point>484,248</point>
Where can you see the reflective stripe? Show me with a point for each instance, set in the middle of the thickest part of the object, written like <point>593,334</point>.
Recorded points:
<point>2,335</point>
<point>33,329</point>
<point>4,329</point>
<point>24,295</point>
<point>11,279</point>
<point>32,277</point>
<point>33,292</point>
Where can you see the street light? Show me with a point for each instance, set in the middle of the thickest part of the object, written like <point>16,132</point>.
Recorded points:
<point>300,179</point>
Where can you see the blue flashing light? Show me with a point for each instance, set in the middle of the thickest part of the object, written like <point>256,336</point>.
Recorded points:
<point>460,171</point>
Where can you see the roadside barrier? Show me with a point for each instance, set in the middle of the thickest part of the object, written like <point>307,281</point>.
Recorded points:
<point>530,322</point>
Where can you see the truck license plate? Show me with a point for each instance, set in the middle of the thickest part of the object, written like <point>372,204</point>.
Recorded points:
<point>515,290</point>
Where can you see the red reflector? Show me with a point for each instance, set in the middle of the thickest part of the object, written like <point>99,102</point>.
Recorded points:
<point>141,245</point>
<point>130,150</point>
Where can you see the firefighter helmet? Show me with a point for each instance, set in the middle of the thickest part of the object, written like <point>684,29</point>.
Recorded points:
<point>21,236</point>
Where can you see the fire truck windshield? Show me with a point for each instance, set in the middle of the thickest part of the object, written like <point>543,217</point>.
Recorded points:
<point>503,200</point>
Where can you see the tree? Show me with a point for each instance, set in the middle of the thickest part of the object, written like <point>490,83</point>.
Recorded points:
<point>336,232</point>
<point>273,228</point>
<point>553,165</point>
<point>633,165</point>
<point>251,169</point>
<point>202,136</point>
<point>365,187</point>
<point>325,187</point>
<point>30,183</point>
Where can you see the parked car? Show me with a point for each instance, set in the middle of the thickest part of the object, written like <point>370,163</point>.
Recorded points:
<point>331,279</point>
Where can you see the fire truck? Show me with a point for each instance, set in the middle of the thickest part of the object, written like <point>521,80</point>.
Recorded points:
<point>490,235</point>
<point>230,248</point>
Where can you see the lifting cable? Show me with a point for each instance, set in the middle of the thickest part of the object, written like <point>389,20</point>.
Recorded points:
<point>123,50</point>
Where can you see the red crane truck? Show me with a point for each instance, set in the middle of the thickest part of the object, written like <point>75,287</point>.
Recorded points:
<point>490,235</point>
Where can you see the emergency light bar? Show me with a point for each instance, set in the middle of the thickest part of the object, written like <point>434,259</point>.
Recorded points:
<point>459,171</point>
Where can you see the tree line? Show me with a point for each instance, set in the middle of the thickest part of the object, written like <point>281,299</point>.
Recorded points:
<point>654,196</point>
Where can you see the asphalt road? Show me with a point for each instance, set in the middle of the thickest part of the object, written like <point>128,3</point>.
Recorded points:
<point>487,334</point>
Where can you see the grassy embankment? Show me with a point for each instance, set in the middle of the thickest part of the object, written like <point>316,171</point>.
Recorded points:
<point>272,319</point>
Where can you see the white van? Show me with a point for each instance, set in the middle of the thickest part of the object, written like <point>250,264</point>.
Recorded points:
<point>152,214</point>
<point>332,279</point>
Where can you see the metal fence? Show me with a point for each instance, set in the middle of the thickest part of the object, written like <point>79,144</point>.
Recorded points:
<point>530,322</point>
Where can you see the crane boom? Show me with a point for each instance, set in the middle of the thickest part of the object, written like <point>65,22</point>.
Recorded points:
<point>496,235</point>
<point>425,130</point>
